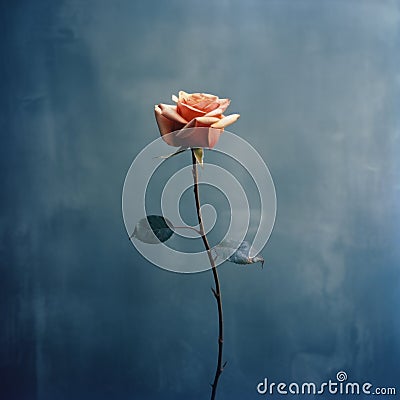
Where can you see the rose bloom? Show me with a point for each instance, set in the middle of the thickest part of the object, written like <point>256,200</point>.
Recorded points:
<point>196,120</point>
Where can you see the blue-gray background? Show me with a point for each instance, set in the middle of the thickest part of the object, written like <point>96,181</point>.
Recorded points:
<point>82,314</point>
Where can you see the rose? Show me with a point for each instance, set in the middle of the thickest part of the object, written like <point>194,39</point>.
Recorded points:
<point>196,120</point>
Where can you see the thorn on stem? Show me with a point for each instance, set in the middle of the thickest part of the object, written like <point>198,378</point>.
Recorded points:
<point>215,293</point>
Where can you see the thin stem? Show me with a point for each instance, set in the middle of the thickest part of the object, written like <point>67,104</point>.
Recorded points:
<point>217,290</point>
<point>175,227</point>
<point>187,227</point>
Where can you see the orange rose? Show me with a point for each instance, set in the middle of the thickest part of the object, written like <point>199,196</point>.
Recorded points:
<point>195,121</point>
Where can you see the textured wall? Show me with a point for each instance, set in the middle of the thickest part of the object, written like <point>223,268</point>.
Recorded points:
<point>82,314</point>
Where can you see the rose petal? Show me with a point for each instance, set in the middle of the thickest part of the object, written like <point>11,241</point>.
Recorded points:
<point>224,104</point>
<point>198,137</point>
<point>171,113</point>
<point>166,125</point>
<point>182,95</point>
<point>193,99</point>
<point>226,121</point>
<point>208,107</point>
<point>202,122</point>
<point>188,112</point>
<point>215,113</point>
<point>210,97</point>
<point>196,121</point>
<point>213,136</point>
<point>198,133</point>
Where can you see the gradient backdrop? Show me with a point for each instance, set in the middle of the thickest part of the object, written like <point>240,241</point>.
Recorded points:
<point>82,315</point>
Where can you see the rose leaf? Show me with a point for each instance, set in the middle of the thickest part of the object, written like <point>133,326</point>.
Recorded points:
<point>153,229</point>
